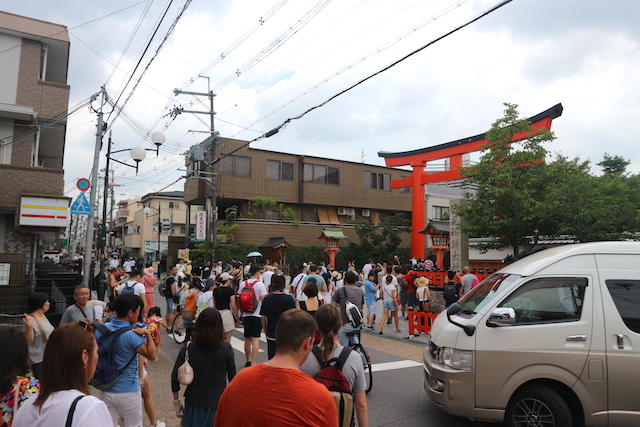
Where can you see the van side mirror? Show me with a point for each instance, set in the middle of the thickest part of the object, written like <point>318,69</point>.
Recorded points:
<point>502,316</point>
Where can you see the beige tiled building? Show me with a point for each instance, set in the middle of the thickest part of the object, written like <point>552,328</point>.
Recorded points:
<point>34,98</point>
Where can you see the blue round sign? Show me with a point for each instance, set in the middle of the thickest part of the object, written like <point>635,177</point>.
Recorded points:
<point>83,184</point>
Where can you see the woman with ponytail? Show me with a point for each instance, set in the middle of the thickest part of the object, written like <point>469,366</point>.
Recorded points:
<point>329,323</point>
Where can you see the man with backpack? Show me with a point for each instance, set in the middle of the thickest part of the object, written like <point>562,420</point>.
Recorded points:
<point>251,292</point>
<point>272,308</point>
<point>133,287</point>
<point>120,360</point>
<point>451,289</point>
<point>348,295</point>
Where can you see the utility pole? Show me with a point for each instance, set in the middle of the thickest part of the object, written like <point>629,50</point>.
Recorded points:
<point>212,152</point>
<point>88,247</point>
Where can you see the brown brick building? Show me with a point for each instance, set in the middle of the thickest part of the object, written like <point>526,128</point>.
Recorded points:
<point>34,99</point>
<point>318,191</point>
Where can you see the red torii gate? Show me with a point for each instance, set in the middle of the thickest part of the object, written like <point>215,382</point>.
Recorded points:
<point>453,151</point>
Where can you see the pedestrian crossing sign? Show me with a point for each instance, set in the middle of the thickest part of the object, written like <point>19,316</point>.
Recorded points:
<point>80,206</point>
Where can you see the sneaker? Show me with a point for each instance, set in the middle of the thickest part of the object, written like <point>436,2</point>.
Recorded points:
<point>389,321</point>
<point>370,328</point>
<point>246,365</point>
<point>160,424</point>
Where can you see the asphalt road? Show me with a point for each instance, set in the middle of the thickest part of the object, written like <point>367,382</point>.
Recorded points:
<point>397,398</point>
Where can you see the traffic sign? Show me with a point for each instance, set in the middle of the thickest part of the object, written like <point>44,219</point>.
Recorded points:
<point>81,206</point>
<point>83,184</point>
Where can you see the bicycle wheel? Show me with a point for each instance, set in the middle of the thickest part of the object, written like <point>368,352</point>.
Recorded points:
<point>177,331</point>
<point>366,364</point>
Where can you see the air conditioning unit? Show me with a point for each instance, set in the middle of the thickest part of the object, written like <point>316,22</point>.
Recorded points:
<point>351,212</point>
<point>366,213</point>
<point>342,211</point>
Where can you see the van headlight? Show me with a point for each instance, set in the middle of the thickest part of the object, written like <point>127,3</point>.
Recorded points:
<point>457,359</point>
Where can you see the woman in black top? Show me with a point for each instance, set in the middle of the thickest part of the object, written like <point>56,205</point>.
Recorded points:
<point>212,360</point>
<point>224,298</point>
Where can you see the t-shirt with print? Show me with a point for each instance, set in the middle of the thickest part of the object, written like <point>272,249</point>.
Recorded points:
<point>28,387</point>
<point>260,291</point>
<point>126,350</point>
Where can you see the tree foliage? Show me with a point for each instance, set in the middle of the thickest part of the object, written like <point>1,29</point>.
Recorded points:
<point>519,193</point>
<point>508,205</point>
<point>383,238</point>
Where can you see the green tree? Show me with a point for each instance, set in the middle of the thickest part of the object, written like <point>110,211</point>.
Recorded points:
<point>509,203</point>
<point>380,240</point>
<point>614,165</point>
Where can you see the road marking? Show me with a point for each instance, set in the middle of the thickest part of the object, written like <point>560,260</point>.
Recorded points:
<point>389,366</point>
<point>238,344</point>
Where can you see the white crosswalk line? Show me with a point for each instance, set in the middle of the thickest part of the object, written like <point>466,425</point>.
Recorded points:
<point>389,366</point>
<point>238,345</point>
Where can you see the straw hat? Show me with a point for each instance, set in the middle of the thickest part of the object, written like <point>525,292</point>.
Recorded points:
<point>422,281</point>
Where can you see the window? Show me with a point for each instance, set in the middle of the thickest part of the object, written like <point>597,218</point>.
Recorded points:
<point>174,205</point>
<point>626,296</point>
<point>548,300</point>
<point>440,212</point>
<point>281,171</point>
<point>235,165</point>
<point>378,181</point>
<point>321,174</point>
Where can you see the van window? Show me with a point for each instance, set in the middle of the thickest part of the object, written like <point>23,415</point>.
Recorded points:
<point>485,292</point>
<point>548,300</point>
<point>626,296</point>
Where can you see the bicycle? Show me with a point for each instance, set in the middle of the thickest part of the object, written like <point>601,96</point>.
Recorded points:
<point>177,329</point>
<point>354,343</point>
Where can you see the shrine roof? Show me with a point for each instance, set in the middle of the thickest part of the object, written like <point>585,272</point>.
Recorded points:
<point>332,233</point>
<point>437,226</point>
<point>553,112</point>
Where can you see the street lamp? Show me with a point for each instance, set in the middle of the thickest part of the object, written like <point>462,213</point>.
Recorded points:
<point>138,154</point>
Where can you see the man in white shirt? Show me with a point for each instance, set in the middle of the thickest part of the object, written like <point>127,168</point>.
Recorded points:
<point>251,320</point>
<point>296,285</point>
<point>367,268</point>
<point>266,276</point>
<point>128,265</point>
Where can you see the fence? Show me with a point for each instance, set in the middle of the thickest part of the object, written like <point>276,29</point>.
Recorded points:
<point>21,277</point>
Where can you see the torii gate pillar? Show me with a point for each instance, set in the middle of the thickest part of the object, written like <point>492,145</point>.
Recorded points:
<point>452,151</point>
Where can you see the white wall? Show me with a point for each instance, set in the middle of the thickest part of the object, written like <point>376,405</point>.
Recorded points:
<point>10,67</point>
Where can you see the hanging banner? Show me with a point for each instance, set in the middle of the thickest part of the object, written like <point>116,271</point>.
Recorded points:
<point>201,225</point>
<point>166,226</point>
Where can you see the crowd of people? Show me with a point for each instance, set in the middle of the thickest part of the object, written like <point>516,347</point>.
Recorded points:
<point>45,372</point>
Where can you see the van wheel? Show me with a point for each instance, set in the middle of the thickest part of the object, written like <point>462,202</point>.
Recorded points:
<point>538,406</point>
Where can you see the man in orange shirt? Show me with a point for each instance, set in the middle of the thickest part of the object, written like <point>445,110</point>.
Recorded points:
<point>295,332</point>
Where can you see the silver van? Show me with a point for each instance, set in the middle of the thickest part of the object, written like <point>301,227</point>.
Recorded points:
<point>550,340</point>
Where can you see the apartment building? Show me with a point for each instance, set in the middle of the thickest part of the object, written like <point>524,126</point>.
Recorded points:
<point>34,98</point>
<point>142,226</point>
<point>317,192</point>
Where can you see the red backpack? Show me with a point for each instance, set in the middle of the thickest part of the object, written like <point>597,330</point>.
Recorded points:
<point>331,376</point>
<point>248,300</point>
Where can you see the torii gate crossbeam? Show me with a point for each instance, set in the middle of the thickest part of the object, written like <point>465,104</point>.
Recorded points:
<point>452,151</point>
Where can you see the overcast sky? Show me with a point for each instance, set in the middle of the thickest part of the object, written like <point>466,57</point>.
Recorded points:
<point>534,53</point>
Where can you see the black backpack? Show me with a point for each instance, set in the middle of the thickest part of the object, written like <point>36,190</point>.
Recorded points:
<point>165,289</point>
<point>450,294</point>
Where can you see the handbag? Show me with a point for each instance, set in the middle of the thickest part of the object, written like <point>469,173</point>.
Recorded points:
<point>185,371</point>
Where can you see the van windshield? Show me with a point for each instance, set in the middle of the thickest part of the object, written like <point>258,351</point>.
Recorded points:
<point>485,292</point>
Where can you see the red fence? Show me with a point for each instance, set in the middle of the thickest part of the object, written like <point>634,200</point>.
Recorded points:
<point>420,322</point>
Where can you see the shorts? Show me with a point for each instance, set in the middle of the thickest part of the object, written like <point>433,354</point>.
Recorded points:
<point>390,305</point>
<point>171,307</point>
<point>371,308</point>
<point>252,326</point>
<point>403,296</point>
<point>228,323</point>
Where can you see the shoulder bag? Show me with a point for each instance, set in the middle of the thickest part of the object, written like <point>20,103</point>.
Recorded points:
<point>185,371</point>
